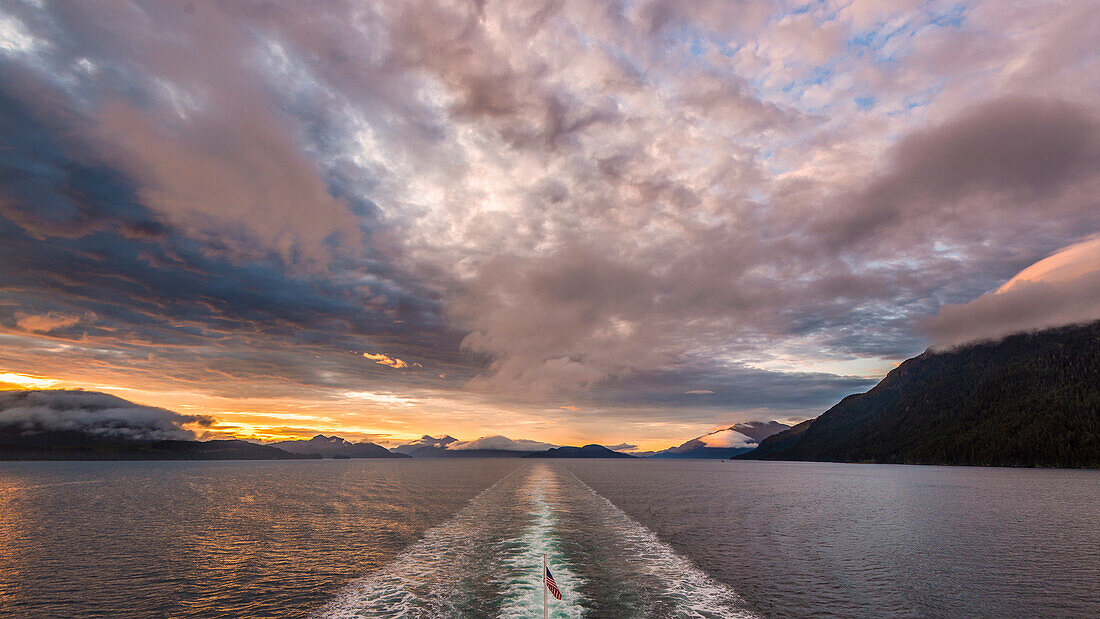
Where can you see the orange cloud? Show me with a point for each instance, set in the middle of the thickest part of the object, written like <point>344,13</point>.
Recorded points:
<point>1063,266</point>
<point>45,323</point>
<point>381,359</point>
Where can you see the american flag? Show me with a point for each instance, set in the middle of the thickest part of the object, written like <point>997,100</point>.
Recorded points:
<point>551,585</point>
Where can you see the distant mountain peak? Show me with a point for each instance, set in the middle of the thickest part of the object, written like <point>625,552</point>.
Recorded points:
<point>321,438</point>
<point>725,442</point>
<point>335,447</point>
<point>446,438</point>
<point>447,446</point>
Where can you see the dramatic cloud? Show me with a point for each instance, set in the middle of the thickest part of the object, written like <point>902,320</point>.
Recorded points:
<point>656,215</point>
<point>44,323</point>
<point>97,415</point>
<point>1016,151</point>
<point>1062,267</point>
<point>381,359</point>
<point>1059,290</point>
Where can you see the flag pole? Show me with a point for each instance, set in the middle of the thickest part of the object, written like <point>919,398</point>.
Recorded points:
<point>545,608</point>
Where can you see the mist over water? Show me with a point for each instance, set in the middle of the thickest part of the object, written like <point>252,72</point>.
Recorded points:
<point>367,538</point>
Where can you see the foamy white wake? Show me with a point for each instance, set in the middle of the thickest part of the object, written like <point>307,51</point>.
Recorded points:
<point>426,579</point>
<point>523,594</point>
<point>693,592</point>
<point>487,561</point>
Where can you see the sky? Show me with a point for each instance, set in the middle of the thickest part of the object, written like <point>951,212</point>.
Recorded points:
<point>562,221</point>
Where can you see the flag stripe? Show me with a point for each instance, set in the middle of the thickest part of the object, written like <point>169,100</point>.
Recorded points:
<point>548,579</point>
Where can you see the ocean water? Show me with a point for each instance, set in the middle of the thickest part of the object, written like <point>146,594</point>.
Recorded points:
<point>212,539</point>
<point>856,540</point>
<point>431,538</point>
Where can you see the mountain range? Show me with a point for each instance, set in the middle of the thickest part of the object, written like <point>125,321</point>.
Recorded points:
<point>336,447</point>
<point>448,447</point>
<point>1031,399</point>
<point>724,442</point>
<point>78,446</point>
<point>1026,400</point>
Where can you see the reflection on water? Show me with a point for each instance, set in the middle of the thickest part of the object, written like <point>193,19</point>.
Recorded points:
<point>466,538</point>
<point>231,539</point>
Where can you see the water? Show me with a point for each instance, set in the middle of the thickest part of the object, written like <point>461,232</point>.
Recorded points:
<point>487,561</point>
<point>366,538</point>
<point>866,540</point>
<point>212,539</point>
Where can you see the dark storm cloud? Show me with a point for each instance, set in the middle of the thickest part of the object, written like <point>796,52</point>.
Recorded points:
<point>1015,144</point>
<point>53,187</point>
<point>733,389</point>
<point>79,242</point>
<point>159,94</point>
<point>1019,150</point>
<point>98,415</point>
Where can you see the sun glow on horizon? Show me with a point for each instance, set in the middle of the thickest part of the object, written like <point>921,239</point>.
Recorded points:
<point>13,381</point>
<point>387,418</point>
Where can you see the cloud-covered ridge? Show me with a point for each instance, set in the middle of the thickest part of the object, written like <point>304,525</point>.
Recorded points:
<point>99,416</point>
<point>727,438</point>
